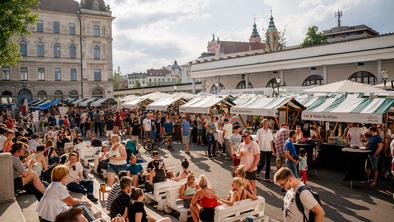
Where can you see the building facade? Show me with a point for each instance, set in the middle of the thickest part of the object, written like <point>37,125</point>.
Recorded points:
<point>136,80</point>
<point>67,54</point>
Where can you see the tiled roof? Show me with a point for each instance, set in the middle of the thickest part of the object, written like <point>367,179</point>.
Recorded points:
<point>90,4</point>
<point>64,6</point>
<point>227,47</point>
<point>158,72</point>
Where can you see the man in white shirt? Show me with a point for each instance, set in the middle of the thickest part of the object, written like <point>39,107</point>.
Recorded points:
<point>75,181</point>
<point>147,124</point>
<point>227,132</point>
<point>291,213</point>
<point>2,138</point>
<point>34,142</point>
<point>355,135</point>
<point>264,138</point>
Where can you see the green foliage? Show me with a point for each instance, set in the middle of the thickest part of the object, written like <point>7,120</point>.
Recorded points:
<point>117,79</point>
<point>137,84</point>
<point>16,15</point>
<point>313,37</point>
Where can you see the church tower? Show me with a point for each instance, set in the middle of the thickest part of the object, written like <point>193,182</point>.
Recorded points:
<point>255,36</point>
<point>272,36</point>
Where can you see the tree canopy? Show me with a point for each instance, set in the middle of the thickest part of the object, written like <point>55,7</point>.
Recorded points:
<point>313,37</point>
<point>16,15</point>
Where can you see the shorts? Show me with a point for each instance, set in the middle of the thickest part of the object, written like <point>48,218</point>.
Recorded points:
<point>251,175</point>
<point>116,168</point>
<point>303,175</point>
<point>185,139</point>
<point>18,183</point>
<point>374,162</point>
<point>207,214</point>
<point>200,132</point>
<point>147,134</point>
<point>109,133</point>
<point>280,161</point>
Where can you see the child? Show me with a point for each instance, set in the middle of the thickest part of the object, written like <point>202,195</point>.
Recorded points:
<point>303,165</point>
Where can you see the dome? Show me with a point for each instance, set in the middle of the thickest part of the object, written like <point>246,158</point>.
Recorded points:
<point>97,5</point>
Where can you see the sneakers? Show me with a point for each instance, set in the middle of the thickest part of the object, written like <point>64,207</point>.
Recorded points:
<point>92,198</point>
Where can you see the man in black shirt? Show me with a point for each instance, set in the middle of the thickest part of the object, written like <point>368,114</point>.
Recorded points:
<point>95,142</point>
<point>121,202</point>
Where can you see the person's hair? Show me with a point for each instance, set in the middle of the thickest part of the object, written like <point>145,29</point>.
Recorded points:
<point>302,152</point>
<point>156,164</point>
<point>49,143</point>
<point>292,133</point>
<point>35,136</point>
<point>185,163</point>
<point>58,173</point>
<point>190,176</point>
<point>40,148</point>
<point>70,215</point>
<point>2,131</point>
<point>9,131</point>
<point>23,139</point>
<point>225,120</point>
<point>283,173</point>
<point>135,193</point>
<point>115,137</point>
<point>203,181</point>
<point>16,147</point>
<point>264,121</point>
<point>79,140</point>
<point>241,171</point>
<point>154,153</point>
<point>238,180</point>
<point>72,154</point>
<point>373,129</point>
<point>122,174</point>
<point>125,181</point>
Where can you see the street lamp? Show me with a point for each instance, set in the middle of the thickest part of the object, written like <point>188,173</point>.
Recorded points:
<point>217,87</point>
<point>175,88</point>
<point>278,80</point>
<point>385,76</point>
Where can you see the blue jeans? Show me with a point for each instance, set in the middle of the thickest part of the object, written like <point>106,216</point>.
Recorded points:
<point>210,144</point>
<point>293,167</point>
<point>81,186</point>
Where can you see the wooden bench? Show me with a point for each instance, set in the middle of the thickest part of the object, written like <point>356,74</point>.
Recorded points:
<point>240,210</point>
<point>160,192</point>
<point>173,202</point>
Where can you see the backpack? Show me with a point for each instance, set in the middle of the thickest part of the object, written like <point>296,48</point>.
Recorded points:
<point>299,203</point>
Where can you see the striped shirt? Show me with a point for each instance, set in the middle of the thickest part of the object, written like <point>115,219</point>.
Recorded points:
<point>112,195</point>
<point>280,139</point>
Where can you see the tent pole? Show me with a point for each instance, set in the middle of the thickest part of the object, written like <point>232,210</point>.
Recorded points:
<point>294,122</point>
<point>242,120</point>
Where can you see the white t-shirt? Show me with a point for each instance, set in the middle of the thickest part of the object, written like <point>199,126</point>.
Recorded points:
<point>290,210</point>
<point>2,140</point>
<point>229,130</point>
<point>52,204</point>
<point>33,144</point>
<point>392,150</point>
<point>147,124</point>
<point>251,150</point>
<point>265,139</point>
<point>355,136</point>
<point>73,175</point>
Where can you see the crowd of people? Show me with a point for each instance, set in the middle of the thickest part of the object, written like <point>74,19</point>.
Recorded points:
<point>46,159</point>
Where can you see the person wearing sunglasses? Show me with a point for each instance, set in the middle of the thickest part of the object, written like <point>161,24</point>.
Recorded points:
<point>296,189</point>
<point>249,155</point>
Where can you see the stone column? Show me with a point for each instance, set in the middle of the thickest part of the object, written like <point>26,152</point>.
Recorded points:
<point>379,71</point>
<point>7,178</point>
<point>246,81</point>
<point>282,77</point>
<point>325,80</point>
<point>203,85</point>
<point>194,86</point>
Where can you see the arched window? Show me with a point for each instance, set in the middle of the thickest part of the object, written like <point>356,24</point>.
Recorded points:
<point>40,49</point>
<point>313,80</point>
<point>216,89</point>
<point>40,26</point>
<point>96,52</point>
<point>23,48</point>
<point>242,85</point>
<point>42,94</point>
<point>73,94</point>
<point>272,83</point>
<point>58,94</point>
<point>6,97</point>
<point>98,92</point>
<point>363,77</point>
<point>73,51</point>
<point>56,50</point>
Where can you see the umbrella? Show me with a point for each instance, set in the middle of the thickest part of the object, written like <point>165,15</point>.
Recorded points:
<point>345,86</point>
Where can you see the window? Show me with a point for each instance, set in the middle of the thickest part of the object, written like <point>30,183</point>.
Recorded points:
<point>272,83</point>
<point>58,74</point>
<point>363,77</point>
<point>73,51</point>
<point>24,73</point>
<point>56,27</point>
<point>23,48</point>
<point>97,75</point>
<point>71,29</point>
<point>73,74</point>
<point>56,50</point>
<point>58,94</point>
<point>242,85</point>
<point>40,49</point>
<point>313,80</point>
<point>41,73</point>
<point>42,94</point>
<point>216,89</point>
<point>96,52</point>
<point>40,26</point>
<point>96,30</point>
<point>73,94</point>
<point>6,73</point>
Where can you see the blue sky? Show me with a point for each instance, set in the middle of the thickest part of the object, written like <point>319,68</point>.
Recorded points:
<point>153,33</point>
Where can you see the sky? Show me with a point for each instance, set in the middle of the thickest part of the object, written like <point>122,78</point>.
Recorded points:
<point>154,33</point>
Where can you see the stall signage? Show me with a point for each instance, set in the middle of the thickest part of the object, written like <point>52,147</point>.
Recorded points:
<point>343,117</point>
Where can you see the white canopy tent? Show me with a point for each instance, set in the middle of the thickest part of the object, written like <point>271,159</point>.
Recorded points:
<point>163,103</point>
<point>136,102</point>
<point>87,102</point>
<point>204,104</point>
<point>345,86</point>
<point>155,96</point>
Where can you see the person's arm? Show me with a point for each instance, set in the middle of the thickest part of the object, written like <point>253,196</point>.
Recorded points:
<point>123,153</point>
<point>195,198</point>
<point>70,201</point>
<point>181,190</point>
<point>138,217</point>
<point>319,213</point>
<point>289,157</point>
<point>380,146</point>
<point>44,163</point>
<point>228,202</point>
<point>256,159</point>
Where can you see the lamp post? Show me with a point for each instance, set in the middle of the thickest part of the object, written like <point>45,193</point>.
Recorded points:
<point>385,76</point>
<point>278,80</point>
<point>217,87</point>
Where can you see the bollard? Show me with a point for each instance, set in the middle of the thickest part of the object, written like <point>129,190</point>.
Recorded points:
<point>7,178</point>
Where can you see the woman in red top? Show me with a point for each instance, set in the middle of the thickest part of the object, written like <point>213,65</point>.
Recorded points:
<point>10,123</point>
<point>204,202</point>
<point>8,143</point>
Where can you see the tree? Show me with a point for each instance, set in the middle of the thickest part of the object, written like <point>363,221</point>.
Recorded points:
<point>117,79</point>
<point>15,17</point>
<point>137,84</point>
<point>313,37</point>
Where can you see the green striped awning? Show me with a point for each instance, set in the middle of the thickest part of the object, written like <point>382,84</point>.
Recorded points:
<point>359,110</point>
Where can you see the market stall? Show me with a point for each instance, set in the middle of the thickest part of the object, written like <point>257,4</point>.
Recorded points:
<point>164,104</point>
<point>103,102</point>
<point>136,102</point>
<point>46,105</point>
<point>87,102</point>
<point>206,104</point>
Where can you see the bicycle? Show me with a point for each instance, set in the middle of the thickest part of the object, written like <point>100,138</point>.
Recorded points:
<point>162,143</point>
